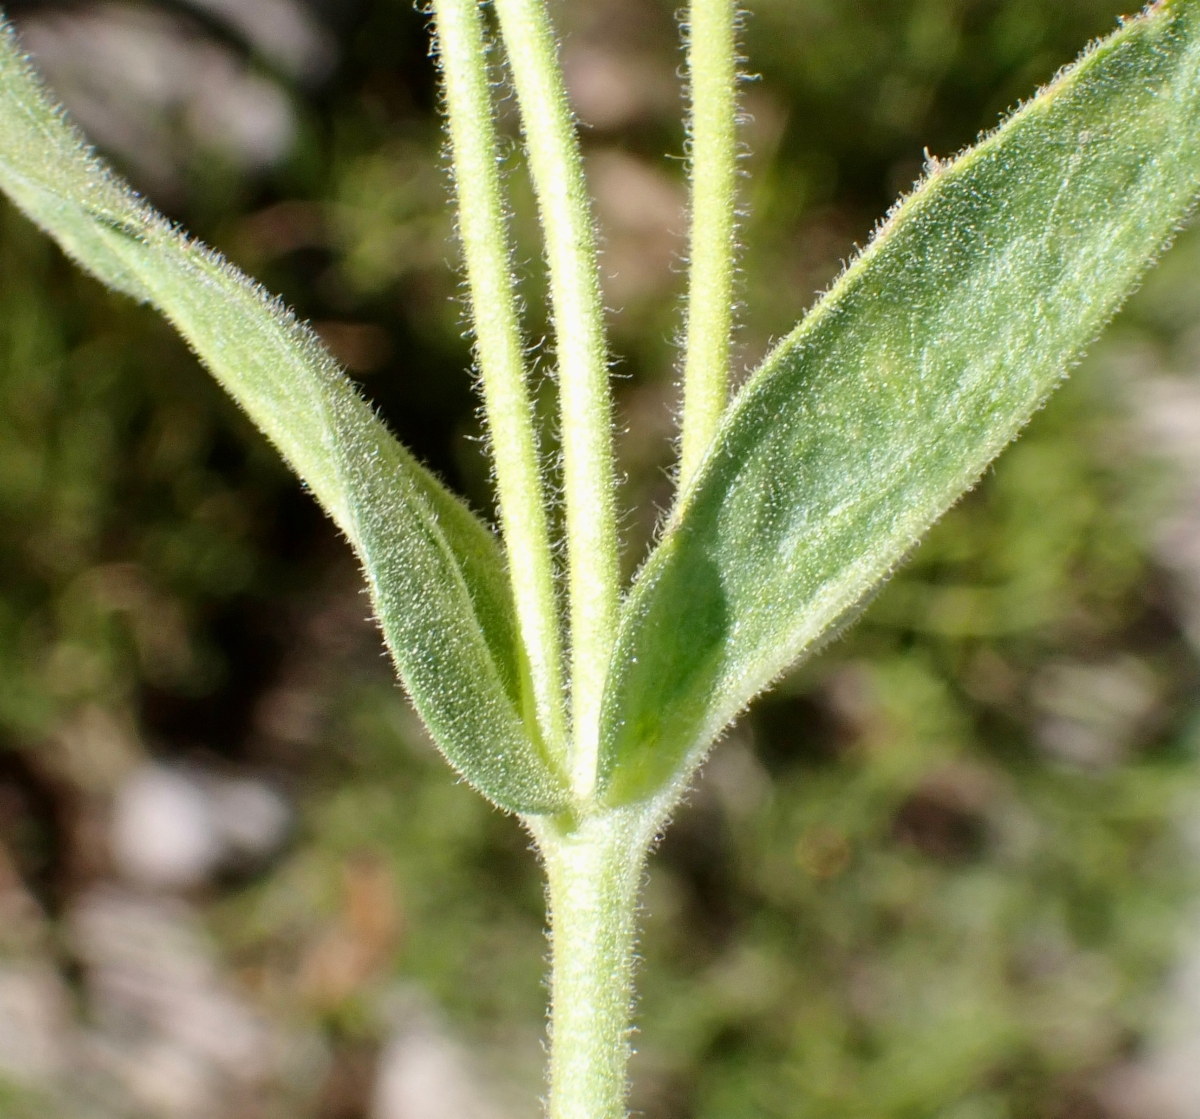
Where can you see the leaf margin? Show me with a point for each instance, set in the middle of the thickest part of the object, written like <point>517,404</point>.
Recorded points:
<point>111,233</point>
<point>625,779</point>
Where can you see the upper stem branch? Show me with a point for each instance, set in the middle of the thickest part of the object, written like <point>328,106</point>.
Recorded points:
<point>712,67</point>
<point>483,230</point>
<point>556,167</point>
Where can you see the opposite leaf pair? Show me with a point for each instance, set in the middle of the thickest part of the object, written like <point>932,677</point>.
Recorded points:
<point>859,430</point>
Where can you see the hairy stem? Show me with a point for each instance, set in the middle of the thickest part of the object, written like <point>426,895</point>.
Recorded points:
<point>712,67</point>
<point>594,868</point>
<point>483,230</point>
<point>556,167</point>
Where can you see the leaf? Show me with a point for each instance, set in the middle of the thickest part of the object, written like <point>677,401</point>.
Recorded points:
<point>899,387</point>
<point>435,572</point>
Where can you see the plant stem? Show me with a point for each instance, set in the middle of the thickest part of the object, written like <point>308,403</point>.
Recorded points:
<point>594,868</point>
<point>483,229</point>
<point>712,66</point>
<point>556,167</point>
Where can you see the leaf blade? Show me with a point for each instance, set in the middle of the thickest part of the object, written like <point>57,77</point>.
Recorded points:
<point>893,394</point>
<point>435,572</point>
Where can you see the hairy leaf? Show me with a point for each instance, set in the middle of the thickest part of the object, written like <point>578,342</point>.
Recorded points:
<point>435,572</point>
<point>898,388</point>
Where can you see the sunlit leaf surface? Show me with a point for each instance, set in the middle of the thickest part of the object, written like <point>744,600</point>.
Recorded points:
<point>895,392</point>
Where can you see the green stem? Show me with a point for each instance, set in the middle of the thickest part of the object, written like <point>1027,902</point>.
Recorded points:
<point>483,230</point>
<point>712,66</point>
<point>594,867</point>
<point>556,167</point>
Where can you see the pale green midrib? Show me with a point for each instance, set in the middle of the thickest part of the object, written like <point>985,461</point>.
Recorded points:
<point>482,229</point>
<point>712,65</point>
<point>556,168</point>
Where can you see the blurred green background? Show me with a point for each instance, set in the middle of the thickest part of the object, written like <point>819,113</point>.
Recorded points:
<point>947,869</point>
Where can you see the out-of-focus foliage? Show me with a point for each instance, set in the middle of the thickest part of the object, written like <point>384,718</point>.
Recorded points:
<point>133,501</point>
<point>938,873</point>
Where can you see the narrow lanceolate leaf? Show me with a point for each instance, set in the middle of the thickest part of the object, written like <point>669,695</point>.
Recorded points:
<point>435,572</point>
<point>894,393</point>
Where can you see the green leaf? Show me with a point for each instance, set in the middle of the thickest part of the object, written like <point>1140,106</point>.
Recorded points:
<point>898,388</point>
<point>436,573</point>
